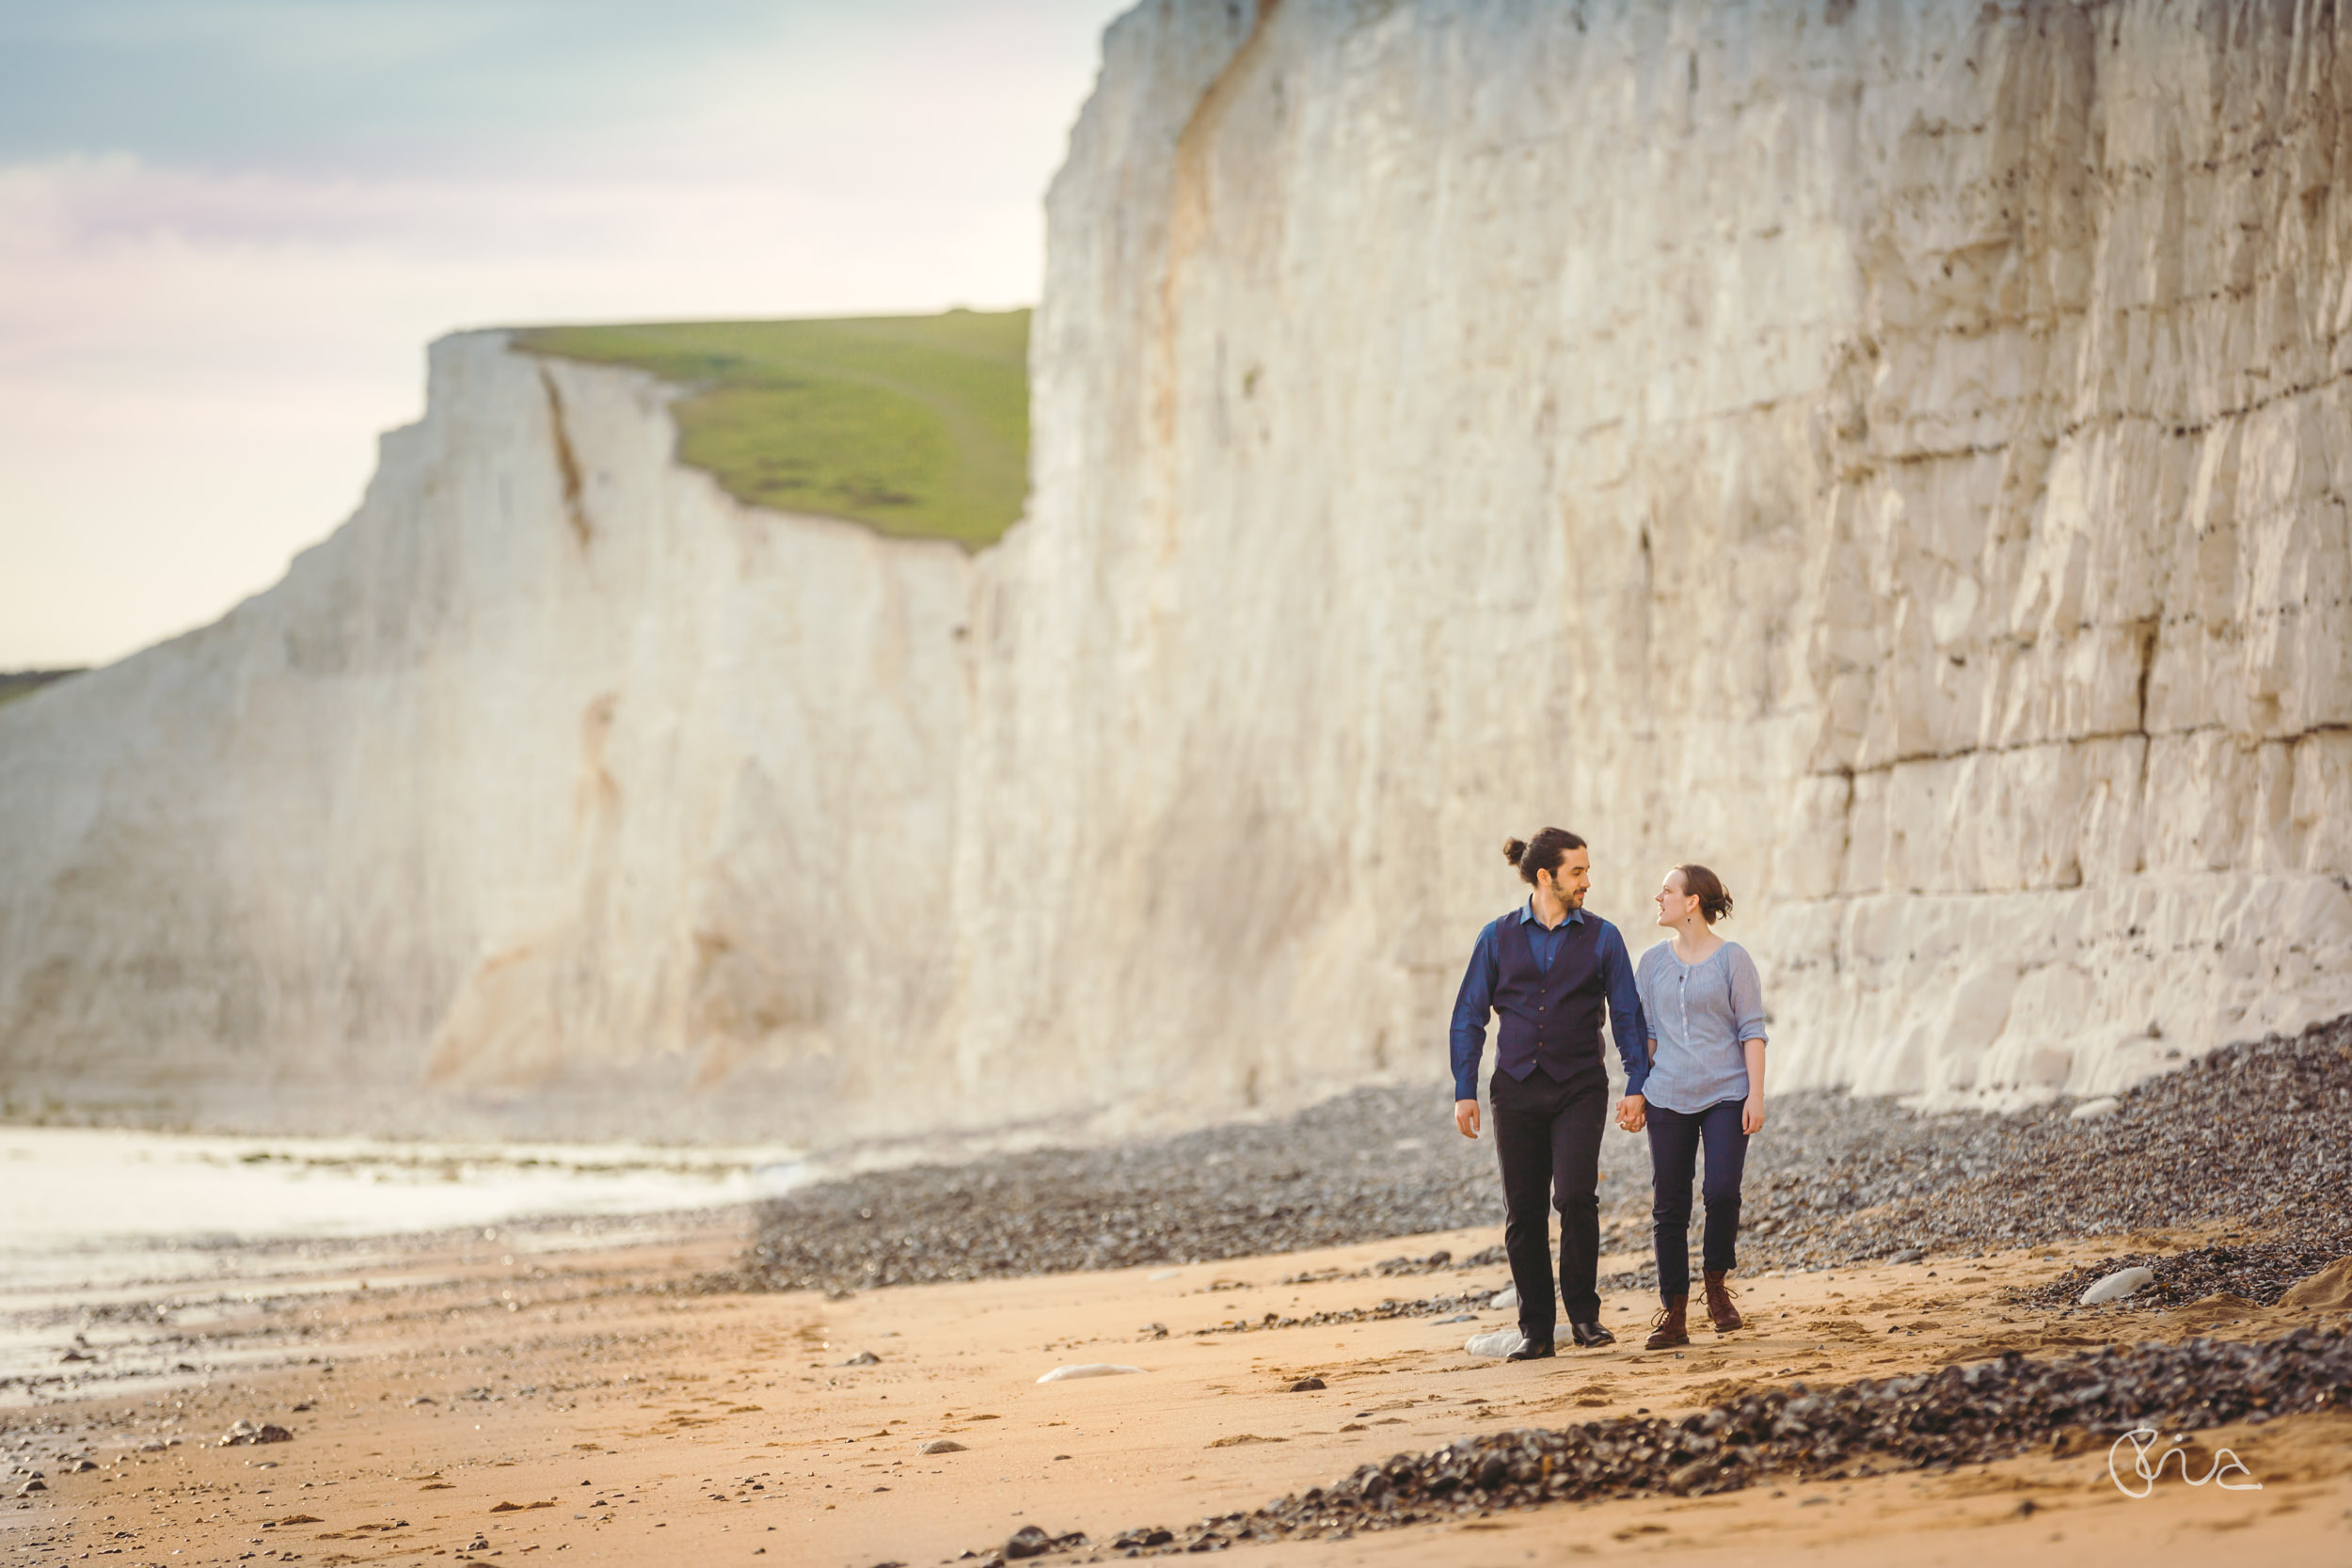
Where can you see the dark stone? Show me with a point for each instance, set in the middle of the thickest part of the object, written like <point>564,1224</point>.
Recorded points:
<point>1029,1541</point>
<point>245,1433</point>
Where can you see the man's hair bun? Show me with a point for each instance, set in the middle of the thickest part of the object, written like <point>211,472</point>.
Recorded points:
<point>1544,853</point>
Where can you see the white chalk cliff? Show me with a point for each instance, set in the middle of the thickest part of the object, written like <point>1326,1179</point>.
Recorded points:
<point>1894,453</point>
<point>555,790</point>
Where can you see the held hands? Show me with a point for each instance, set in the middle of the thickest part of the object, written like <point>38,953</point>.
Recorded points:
<point>1751,1116</point>
<point>1632,1113</point>
<point>1466,1117</point>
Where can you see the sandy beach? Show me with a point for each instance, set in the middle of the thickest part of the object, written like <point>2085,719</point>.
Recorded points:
<point>475,1399</point>
<point>848,1373</point>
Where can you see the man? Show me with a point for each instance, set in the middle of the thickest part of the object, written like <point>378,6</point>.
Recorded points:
<point>1550,970</point>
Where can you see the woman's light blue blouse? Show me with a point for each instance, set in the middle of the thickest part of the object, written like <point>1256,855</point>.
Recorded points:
<point>1698,1016</point>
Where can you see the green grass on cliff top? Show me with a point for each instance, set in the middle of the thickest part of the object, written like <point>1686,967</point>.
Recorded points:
<point>915,425</point>
<point>23,683</point>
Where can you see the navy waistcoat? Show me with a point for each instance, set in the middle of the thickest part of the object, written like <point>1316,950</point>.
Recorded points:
<point>1549,1018</point>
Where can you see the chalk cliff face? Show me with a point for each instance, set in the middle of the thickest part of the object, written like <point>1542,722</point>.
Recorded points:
<point>520,801</point>
<point>1894,455</point>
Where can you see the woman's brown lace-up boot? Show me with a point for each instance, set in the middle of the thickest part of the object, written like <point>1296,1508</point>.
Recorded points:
<point>1667,1329</point>
<point>1720,1311</point>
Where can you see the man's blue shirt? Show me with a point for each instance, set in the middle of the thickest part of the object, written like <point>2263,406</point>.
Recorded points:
<point>1477,999</point>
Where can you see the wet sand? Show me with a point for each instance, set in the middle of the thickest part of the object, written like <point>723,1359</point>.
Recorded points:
<point>479,1400</point>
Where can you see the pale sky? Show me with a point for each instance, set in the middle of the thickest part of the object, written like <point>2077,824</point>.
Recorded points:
<point>227,228</point>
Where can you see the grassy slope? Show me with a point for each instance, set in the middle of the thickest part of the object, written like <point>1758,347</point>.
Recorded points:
<point>915,425</point>
<point>23,683</point>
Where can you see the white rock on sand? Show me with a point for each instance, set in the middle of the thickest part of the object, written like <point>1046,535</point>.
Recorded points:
<point>2118,1285</point>
<point>2090,1110</point>
<point>1507,1296</point>
<point>1496,1345</point>
<point>1089,1368</point>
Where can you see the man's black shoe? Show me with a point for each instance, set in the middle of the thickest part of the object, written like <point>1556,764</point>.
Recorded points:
<point>1593,1333</point>
<point>1534,1349</point>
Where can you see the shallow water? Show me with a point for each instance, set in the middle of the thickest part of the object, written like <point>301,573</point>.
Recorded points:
<point>141,1238</point>
<point>97,1207</point>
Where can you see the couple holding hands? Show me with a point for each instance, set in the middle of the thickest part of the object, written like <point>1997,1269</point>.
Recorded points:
<point>1689,1022</point>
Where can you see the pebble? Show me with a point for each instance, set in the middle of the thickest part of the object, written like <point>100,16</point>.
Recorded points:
<point>245,1433</point>
<point>1278,1186</point>
<point>1832,1180</point>
<point>2260,1270</point>
<point>941,1444</point>
<point>2115,1287</point>
<point>2091,1110</point>
<point>1087,1368</point>
<point>1959,1415</point>
<point>1307,1386</point>
<point>2225,1138</point>
<point>1421,1306</point>
<point>1029,1541</point>
<point>1507,1296</point>
<point>864,1358</point>
<point>1496,1345</point>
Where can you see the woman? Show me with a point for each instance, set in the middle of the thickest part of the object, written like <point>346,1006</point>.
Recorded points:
<point>1704,1005</point>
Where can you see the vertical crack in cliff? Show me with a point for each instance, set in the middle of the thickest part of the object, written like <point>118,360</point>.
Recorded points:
<point>567,462</point>
<point>1188,202</point>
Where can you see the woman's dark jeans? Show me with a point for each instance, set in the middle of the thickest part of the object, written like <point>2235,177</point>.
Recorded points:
<point>1675,1137</point>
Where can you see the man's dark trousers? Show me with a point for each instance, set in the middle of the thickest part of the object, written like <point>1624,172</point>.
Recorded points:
<point>1548,1134</point>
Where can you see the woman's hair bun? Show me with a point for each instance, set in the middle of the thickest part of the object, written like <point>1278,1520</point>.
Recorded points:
<point>1703,885</point>
<point>1513,849</point>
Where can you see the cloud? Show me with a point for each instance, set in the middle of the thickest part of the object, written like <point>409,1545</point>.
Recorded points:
<point>354,83</point>
<point>196,352</point>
